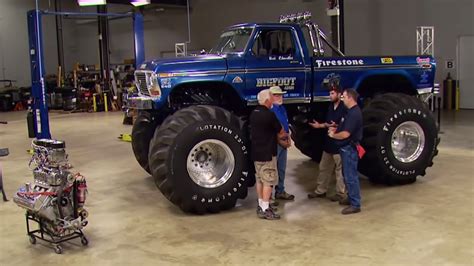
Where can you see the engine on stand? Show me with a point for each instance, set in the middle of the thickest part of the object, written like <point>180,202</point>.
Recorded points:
<point>55,200</point>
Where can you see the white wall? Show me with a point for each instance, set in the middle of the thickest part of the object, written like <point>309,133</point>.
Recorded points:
<point>162,29</point>
<point>14,47</point>
<point>14,56</point>
<point>378,27</point>
<point>210,17</point>
<point>372,27</point>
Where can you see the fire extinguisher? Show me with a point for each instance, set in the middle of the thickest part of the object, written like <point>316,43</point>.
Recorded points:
<point>81,192</point>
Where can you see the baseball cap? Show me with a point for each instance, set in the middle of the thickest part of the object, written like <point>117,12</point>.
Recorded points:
<point>276,90</point>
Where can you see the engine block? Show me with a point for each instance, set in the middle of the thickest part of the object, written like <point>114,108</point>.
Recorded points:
<point>57,195</point>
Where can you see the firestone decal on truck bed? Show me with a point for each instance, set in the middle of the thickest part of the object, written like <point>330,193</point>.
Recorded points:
<point>343,62</point>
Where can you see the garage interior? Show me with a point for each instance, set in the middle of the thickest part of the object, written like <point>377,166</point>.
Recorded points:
<point>425,223</point>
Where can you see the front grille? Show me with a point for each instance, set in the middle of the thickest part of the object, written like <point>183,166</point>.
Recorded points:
<point>141,82</point>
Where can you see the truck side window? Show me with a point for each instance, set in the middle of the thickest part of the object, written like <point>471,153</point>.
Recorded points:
<point>274,43</point>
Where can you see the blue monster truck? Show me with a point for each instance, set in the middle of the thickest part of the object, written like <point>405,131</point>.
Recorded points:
<point>191,132</point>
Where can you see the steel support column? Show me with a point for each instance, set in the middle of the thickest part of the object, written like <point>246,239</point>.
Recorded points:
<point>59,38</point>
<point>337,25</point>
<point>341,27</point>
<point>104,49</point>
<point>38,91</point>
<point>139,37</point>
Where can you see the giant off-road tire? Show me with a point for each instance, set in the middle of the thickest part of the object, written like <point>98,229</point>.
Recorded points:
<point>142,132</point>
<point>400,137</point>
<point>307,139</point>
<point>199,159</point>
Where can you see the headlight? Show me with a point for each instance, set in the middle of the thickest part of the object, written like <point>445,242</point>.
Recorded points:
<point>154,86</point>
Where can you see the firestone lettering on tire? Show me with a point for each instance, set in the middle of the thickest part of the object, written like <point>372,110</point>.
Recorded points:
<point>394,169</point>
<point>381,118</point>
<point>243,148</point>
<point>228,131</point>
<point>216,127</point>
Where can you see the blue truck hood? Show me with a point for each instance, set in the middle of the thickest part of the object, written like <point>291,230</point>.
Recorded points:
<point>186,64</point>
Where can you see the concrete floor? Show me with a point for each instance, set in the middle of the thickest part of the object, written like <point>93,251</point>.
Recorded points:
<point>429,222</point>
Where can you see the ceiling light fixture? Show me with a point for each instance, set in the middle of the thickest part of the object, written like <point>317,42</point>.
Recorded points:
<point>140,2</point>
<point>91,2</point>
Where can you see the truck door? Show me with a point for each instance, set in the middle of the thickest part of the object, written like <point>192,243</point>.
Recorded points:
<point>275,58</point>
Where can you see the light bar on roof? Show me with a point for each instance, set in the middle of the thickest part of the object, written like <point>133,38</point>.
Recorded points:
<point>140,2</point>
<point>301,17</point>
<point>91,2</point>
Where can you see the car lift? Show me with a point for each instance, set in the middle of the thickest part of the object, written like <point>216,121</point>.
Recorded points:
<point>35,37</point>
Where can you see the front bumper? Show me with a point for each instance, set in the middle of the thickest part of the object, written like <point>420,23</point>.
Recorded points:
<point>141,103</point>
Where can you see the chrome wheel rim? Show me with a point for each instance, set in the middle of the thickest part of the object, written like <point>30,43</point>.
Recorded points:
<point>210,163</point>
<point>408,142</point>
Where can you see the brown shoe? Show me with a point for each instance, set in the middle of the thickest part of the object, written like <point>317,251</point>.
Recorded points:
<point>274,203</point>
<point>261,213</point>
<point>344,201</point>
<point>350,210</point>
<point>313,195</point>
<point>336,197</point>
<point>284,196</point>
<point>269,214</point>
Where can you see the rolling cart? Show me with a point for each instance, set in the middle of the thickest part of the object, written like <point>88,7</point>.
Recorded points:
<point>47,235</point>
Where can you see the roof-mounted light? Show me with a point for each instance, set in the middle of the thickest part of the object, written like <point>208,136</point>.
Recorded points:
<point>300,17</point>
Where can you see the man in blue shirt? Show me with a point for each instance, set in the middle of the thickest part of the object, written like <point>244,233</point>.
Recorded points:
<point>331,160</point>
<point>283,144</point>
<point>349,134</point>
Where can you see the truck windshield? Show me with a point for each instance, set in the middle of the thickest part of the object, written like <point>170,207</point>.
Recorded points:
<point>232,41</point>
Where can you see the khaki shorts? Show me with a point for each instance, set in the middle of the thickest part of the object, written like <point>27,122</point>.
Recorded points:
<point>266,172</point>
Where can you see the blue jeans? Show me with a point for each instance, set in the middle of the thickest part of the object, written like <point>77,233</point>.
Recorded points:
<point>282,155</point>
<point>350,159</point>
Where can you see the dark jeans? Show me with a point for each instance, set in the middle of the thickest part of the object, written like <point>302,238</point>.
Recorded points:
<point>350,159</point>
<point>281,165</point>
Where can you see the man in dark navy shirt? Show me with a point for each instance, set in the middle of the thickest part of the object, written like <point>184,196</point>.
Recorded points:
<point>349,134</point>
<point>331,160</point>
